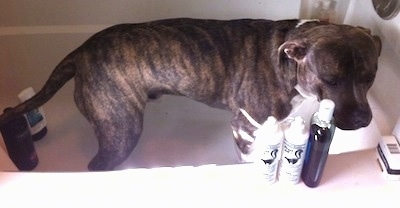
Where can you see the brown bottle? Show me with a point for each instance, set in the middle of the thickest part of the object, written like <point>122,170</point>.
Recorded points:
<point>19,144</point>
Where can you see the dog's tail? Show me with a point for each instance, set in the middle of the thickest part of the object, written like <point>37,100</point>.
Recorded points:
<point>63,72</point>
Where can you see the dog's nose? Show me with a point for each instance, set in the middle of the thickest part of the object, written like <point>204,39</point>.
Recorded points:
<point>360,123</point>
<point>362,118</point>
<point>354,120</point>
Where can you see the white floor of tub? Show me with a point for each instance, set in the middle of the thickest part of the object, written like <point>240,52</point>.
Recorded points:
<point>177,132</point>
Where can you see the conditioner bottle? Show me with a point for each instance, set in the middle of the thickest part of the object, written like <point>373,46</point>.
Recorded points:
<point>322,129</point>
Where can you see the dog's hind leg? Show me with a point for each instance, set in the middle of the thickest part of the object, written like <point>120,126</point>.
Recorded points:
<point>117,121</point>
<point>117,137</point>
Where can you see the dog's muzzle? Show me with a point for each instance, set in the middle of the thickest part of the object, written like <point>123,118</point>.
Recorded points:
<point>354,119</point>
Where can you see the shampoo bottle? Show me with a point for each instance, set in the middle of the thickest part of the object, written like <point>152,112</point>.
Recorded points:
<point>269,138</point>
<point>293,152</point>
<point>36,119</point>
<point>321,133</point>
<point>19,144</point>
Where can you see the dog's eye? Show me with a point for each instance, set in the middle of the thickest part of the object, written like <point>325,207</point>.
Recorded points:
<point>330,82</point>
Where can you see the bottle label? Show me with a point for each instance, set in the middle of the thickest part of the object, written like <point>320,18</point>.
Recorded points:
<point>292,162</point>
<point>270,158</point>
<point>21,136</point>
<point>35,120</point>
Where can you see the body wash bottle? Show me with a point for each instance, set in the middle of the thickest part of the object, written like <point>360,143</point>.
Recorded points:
<point>321,133</point>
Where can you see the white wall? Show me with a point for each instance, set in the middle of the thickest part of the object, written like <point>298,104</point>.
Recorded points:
<point>72,12</point>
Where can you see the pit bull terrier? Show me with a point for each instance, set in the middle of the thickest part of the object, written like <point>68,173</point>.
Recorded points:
<point>246,64</point>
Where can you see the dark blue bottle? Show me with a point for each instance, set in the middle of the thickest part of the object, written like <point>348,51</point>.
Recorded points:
<point>321,133</point>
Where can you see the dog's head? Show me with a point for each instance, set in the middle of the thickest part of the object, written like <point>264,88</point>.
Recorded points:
<point>337,62</point>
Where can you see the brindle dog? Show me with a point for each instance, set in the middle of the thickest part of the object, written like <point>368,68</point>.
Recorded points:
<point>237,64</point>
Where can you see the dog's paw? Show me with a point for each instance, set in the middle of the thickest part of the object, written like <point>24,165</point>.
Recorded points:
<point>98,164</point>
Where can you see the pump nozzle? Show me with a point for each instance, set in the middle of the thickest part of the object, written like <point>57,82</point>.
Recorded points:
<point>325,111</point>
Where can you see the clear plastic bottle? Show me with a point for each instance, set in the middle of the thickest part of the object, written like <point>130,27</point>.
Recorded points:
<point>324,10</point>
<point>36,118</point>
<point>321,133</point>
<point>19,144</point>
<point>293,152</point>
<point>269,138</point>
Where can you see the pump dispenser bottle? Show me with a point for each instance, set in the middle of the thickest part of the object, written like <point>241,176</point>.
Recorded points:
<point>321,133</point>
<point>269,138</point>
<point>293,152</point>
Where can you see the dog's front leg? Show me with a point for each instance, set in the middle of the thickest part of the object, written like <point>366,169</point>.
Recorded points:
<point>244,138</point>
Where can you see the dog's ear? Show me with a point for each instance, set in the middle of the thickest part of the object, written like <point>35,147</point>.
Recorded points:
<point>378,43</point>
<point>367,30</point>
<point>293,50</point>
<point>376,39</point>
<point>290,50</point>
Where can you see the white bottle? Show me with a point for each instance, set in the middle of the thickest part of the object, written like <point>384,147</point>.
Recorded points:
<point>269,138</point>
<point>36,118</point>
<point>293,152</point>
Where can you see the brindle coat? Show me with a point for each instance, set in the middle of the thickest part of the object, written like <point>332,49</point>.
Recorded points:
<point>248,64</point>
